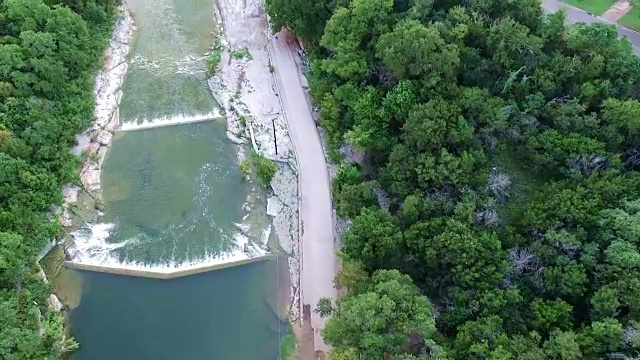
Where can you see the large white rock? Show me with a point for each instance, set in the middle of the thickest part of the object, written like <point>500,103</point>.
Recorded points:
<point>70,193</point>
<point>114,122</point>
<point>286,227</point>
<point>285,187</point>
<point>55,303</point>
<point>274,206</point>
<point>104,138</point>
<point>91,179</point>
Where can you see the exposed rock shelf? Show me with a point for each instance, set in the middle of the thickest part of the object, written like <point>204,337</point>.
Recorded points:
<point>246,90</point>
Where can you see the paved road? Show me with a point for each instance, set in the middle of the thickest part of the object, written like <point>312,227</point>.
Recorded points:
<point>575,14</point>
<point>318,253</point>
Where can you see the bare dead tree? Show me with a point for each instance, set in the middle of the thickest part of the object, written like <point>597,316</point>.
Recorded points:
<point>489,141</point>
<point>529,121</point>
<point>588,164</point>
<point>383,198</point>
<point>522,260</point>
<point>564,242</point>
<point>632,157</point>
<point>559,100</point>
<point>630,335</point>
<point>488,218</point>
<point>513,134</point>
<point>499,185</point>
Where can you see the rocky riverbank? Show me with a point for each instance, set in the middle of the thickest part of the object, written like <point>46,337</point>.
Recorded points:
<point>93,144</point>
<point>245,88</point>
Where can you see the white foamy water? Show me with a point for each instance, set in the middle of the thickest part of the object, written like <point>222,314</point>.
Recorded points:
<point>168,121</point>
<point>92,248</point>
<point>91,242</point>
<point>188,65</point>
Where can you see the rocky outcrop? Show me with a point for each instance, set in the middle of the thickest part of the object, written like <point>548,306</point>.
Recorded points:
<point>283,207</point>
<point>244,86</point>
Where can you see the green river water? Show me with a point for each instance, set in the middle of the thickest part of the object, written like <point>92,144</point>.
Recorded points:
<point>174,196</point>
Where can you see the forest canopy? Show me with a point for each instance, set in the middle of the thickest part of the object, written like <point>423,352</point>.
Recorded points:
<point>49,52</point>
<point>507,146</point>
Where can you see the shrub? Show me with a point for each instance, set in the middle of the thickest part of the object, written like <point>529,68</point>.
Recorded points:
<point>265,169</point>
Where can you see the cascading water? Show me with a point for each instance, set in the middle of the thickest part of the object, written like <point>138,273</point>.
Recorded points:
<point>173,194</point>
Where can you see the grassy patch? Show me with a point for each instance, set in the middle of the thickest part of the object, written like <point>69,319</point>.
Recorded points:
<point>245,168</point>
<point>242,54</point>
<point>287,345</point>
<point>597,7</point>
<point>264,168</point>
<point>631,20</point>
<point>213,59</point>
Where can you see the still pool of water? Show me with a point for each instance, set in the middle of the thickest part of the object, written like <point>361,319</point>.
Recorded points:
<point>228,314</point>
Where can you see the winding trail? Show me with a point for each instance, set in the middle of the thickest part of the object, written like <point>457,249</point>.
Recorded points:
<point>318,260</point>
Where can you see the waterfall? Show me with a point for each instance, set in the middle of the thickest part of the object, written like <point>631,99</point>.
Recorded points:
<point>168,121</point>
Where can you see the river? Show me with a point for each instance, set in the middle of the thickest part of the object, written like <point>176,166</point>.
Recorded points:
<point>174,198</point>
<point>223,314</point>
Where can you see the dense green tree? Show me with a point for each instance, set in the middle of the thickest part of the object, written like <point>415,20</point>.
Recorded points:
<point>375,239</point>
<point>413,50</point>
<point>49,51</point>
<point>388,318</point>
<point>306,19</point>
<point>508,143</point>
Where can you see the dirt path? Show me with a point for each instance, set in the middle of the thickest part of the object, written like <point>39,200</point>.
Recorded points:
<point>318,253</point>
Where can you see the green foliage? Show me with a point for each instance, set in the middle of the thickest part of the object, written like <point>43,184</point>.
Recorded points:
<point>215,55</point>
<point>388,316</point>
<point>324,307</point>
<point>287,345</point>
<point>242,54</point>
<point>49,51</point>
<point>509,145</point>
<point>305,18</point>
<point>245,167</point>
<point>264,168</point>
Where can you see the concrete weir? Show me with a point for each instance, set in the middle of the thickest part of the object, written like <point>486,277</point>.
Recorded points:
<point>173,274</point>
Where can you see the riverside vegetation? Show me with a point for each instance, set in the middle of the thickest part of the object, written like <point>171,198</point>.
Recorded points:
<point>508,145</point>
<point>49,52</point>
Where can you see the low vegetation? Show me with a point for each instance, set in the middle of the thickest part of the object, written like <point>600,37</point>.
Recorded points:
<point>287,345</point>
<point>215,55</point>
<point>49,52</point>
<point>242,54</point>
<point>631,19</point>
<point>507,145</point>
<point>264,168</point>
<point>596,7</point>
<point>245,167</point>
